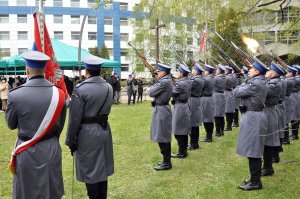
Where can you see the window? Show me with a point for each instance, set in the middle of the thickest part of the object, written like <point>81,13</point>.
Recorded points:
<point>108,6</point>
<point>5,52</point>
<point>21,50</point>
<point>75,35</point>
<point>58,35</point>
<point>75,19</point>
<point>123,6</point>
<point>4,35</point>
<point>124,52</point>
<point>92,36</point>
<point>123,22</point>
<point>3,2</point>
<point>108,21</point>
<point>124,37</point>
<point>21,3</point>
<point>4,18</point>
<point>57,3</point>
<point>108,36</point>
<point>91,3</point>
<point>92,20</point>
<point>75,3</point>
<point>22,35</point>
<point>189,41</point>
<point>22,18</point>
<point>125,67</point>
<point>58,19</point>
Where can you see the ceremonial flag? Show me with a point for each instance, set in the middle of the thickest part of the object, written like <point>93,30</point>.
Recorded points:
<point>202,45</point>
<point>53,72</point>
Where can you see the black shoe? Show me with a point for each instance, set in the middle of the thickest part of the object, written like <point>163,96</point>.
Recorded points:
<point>228,129</point>
<point>163,166</point>
<point>276,159</point>
<point>193,147</point>
<point>179,155</point>
<point>267,172</point>
<point>207,140</point>
<point>250,186</point>
<point>236,125</point>
<point>285,141</point>
<point>218,134</point>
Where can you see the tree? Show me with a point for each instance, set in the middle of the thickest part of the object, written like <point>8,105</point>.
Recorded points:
<point>104,52</point>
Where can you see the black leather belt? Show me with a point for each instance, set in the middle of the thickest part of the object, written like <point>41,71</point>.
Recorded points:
<point>228,89</point>
<point>254,109</point>
<point>46,137</point>
<point>100,119</point>
<point>181,101</point>
<point>161,104</point>
<point>206,95</point>
<point>219,91</point>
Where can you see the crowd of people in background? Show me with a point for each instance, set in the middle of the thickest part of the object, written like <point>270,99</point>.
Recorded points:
<point>135,86</point>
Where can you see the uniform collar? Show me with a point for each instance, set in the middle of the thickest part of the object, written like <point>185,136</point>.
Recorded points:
<point>38,82</point>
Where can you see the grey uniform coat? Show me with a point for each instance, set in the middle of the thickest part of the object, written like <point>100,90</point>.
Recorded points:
<point>218,96</point>
<point>290,83</point>
<point>281,109</point>
<point>271,111</point>
<point>181,111</point>
<point>295,99</point>
<point>39,168</point>
<point>207,99</point>
<point>253,124</point>
<point>238,81</point>
<point>94,155</point>
<point>230,100</point>
<point>161,123</point>
<point>195,100</point>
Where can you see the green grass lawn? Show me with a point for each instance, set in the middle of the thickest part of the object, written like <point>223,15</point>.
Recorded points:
<point>214,171</point>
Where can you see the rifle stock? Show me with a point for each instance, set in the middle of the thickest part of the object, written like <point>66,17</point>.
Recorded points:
<point>142,57</point>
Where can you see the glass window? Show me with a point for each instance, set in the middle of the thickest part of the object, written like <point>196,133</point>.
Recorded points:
<point>75,35</point>
<point>57,3</point>
<point>189,41</point>
<point>92,20</point>
<point>108,21</point>
<point>123,6</point>
<point>58,19</point>
<point>92,36</point>
<point>123,21</point>
<point>21,3</point>
<point>75,19</point>
<point>4,35</point>
<point>58,35</point>
<point>108,6</point>
<point>91,3</point>
<point>4,18</point>
<point>108,36</point>
<point>22,35</point>
<point>21,50</point>
<point>22,18</point>
<point>124,37</point>
<point>3,2</point>
<point>5,52</point>
<point>125,67</point>
<point>75,3</point>
<point>124,52</point>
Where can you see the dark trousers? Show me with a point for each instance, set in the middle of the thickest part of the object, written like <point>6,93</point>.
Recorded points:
<point>220,124</point>
<point>194,136</point>
<point>229,119</point>
<point>140,97</point>
<point>295,128</point>
<point>182,141</point>
<point>255,169</point>
<point>165,150</point>
<point>97,190</point>
<point>209,128</point>
<point>133,95</point>
<point>286,133</point>
<point>236,117</point>
<point>268,157</point>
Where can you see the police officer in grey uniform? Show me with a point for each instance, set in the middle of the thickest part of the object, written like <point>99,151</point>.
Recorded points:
<point>238,81</point>
<point>39,168</point>
<point>290,84</point>
<point>253,123</point>
<point>208,102</point>
<point>245,74</point>
<point>195,106</point>
<point>181,112</point>
<point>161,124</point>
<point>219,100</point>
<point>89,134</point>
<point>230,100</point>
<point>295,97</point>
<point>271,110</point>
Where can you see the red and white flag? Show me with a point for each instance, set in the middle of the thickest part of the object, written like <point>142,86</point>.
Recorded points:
<point>202,44</point>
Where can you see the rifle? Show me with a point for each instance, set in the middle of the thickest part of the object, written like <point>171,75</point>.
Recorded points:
<point>268,57</point>
<point>225,56</point>
<point>278,59</point>
<point>211,60</point>
<point>143,58</point>
<point>247,61</point>
<point>179,58</point>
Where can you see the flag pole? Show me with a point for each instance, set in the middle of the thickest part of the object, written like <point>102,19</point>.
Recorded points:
<point>41,23</point>
<point>79,47</point>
